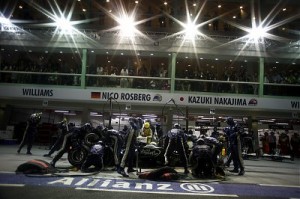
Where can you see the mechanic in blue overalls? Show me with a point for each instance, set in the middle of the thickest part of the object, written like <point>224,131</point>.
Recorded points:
<point>233,134</point>
<point>115,139</point>
<point>30,132</point>
<point>72,139</point>
<point>130,146</point>
<point>176,140</point>
<point>94,158</point>
<point>64,130</point>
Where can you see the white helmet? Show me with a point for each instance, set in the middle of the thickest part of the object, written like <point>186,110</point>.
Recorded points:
<point>177,126</point>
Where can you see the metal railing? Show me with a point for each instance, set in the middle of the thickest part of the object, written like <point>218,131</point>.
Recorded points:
<point>217,86</point>
<point>145,82</point>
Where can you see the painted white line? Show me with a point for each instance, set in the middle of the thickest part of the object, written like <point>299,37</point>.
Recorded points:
<point>275,185</point>
<point>7,172</point>
<point>12,185</point>
<point>156,192</point>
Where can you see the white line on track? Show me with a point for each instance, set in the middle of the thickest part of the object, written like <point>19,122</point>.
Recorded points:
<point>7,172</point>
<point>12,185</point>
<point>156,192</point>
<point>281,185</point>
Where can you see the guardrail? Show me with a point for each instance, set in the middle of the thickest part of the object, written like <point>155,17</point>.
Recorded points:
<point>145,82</point>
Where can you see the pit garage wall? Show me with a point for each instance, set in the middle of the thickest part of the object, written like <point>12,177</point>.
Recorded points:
<point>157,98</point>
<point>18,115</point>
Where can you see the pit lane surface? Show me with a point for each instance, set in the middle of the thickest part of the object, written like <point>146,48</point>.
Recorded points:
<point>81,186</point>
<point>264,178</point>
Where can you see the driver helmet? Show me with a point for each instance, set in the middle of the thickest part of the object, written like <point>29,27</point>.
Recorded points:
<point>147,125</point>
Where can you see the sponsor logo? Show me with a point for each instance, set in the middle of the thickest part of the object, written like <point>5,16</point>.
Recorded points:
<point>157,97</point>
<point>37,92</point>
<point>252,102</point>
<point>150,152</point>
<point>197,188</point>
<point>295,104</point>
<point>132,185</point>
<point>10,28</point>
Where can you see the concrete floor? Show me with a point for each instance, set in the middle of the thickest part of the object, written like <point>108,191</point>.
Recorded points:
<point>258,171</point>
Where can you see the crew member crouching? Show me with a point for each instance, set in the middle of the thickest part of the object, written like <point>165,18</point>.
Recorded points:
<point>94,158</point>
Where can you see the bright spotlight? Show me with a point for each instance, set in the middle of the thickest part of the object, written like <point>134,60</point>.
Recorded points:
<point>7,25</point>
<point>190,30</point>
<point>4,20</point>
<point>63,25</point>
<point>257,33</point>
<point>127,26</point>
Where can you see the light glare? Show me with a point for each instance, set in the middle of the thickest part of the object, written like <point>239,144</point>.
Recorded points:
<point>63,25</point>
<point>190,30</point>
<point>4,20</point>
<point>127,26</point>
<point>257,33</point>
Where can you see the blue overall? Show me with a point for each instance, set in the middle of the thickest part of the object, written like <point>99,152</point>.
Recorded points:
<point>233,135</point>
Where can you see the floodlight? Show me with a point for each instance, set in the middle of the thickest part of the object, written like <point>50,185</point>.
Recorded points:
<point>190,30</point>
<point>7,25</point>
<point>127,26</point>
<point>257,33</point>
<point>63,25</point>
<point>4,20</point>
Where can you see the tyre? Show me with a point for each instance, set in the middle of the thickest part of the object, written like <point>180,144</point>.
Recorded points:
<point>77,156</point>
<point>91,138</point>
